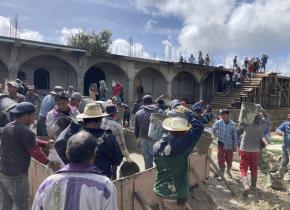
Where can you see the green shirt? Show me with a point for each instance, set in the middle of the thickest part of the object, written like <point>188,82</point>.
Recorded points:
<point>172,181</point>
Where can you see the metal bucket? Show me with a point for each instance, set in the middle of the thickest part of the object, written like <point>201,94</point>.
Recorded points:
<point>203,143</point>
<point>129,169</point>
<point>156,130</point>
<point>248,113</point>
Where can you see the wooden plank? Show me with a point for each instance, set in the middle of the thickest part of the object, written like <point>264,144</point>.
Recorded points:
<point>118,186</point>
<point>127,193</point>
<point>144,183</point>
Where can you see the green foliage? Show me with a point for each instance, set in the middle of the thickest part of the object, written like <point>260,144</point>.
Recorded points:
<point>95,43</point>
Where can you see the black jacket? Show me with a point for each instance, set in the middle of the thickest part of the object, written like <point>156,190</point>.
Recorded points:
<point>108,153</point>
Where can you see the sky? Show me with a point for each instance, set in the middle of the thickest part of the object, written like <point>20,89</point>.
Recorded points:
<point>221,28</point>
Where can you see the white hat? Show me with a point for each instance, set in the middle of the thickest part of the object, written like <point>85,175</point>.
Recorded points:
<point>176,124</point>
<point>92,110</point>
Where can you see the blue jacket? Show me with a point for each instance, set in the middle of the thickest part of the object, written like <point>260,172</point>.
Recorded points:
<point>108,153</point>
<point>142,120</point>
<point>285,128</point>
<point>181,144</point>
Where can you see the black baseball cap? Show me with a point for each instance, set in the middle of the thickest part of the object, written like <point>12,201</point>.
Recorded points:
<point>224,111</point>
<point>23,107</point>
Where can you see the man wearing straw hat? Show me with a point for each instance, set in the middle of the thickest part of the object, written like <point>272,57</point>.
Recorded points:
<point>108,153</point>
<point>171,159</point>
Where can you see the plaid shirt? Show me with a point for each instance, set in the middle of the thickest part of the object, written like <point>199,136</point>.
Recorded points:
<point>226,133</point>
<point>117,129</point>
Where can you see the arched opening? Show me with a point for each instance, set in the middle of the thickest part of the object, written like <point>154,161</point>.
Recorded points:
<point>108,72</point>
<point>3,73</point>
<point>41,79</point>
<point>152,83</point>
<point>93,75</point>
<point>21,75</point>
<point>47,71</point>
<point>208,88</point>
<point>184,87</point>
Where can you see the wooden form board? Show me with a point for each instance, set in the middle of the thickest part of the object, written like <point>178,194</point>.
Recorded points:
<point>143,183</point>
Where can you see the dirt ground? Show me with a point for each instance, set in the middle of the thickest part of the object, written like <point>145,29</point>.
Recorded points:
<point>264,199</point>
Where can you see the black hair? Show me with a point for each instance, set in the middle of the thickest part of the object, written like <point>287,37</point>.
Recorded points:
<point>90,120</point>
<point>21,114</point>
<point>147,101</point>
<point>81,147</point>
<point>60,97</point>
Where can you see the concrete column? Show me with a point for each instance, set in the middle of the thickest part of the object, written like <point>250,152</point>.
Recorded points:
<point>80,82</point>
<point>169,88</point>
<point>131,92</point>
<point>200,87</point>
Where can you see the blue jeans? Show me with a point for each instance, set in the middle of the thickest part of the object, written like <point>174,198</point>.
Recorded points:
<point>14,190</point>
<point>285,156</point>
<point>147,150</point>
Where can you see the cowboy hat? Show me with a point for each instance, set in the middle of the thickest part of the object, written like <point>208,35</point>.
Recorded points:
<point>92,110</point>
<point>176,124</point>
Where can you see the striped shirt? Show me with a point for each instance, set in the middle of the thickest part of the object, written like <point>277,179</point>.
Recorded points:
<point>226,133</point>
<point>76,187</point>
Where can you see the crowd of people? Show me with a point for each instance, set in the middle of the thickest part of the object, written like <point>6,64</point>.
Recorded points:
<point>88,138</point>
<point>201,61</point>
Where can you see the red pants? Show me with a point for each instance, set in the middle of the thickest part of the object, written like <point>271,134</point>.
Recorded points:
<point>225,155</point>
<point>249,159</point>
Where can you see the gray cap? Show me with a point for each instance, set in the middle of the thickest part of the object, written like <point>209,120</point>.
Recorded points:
<point>76,96</point>
<point>56,90</point>
<point>23,107</point>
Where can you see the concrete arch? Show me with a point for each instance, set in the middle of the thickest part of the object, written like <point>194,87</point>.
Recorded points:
<point>60,71</point>
<point>152,81</point>
<point>208,86</point>
<point>184,87</point>
<point>35,53</point>
<point>3,73</point>
<point>158,70</point>
<point>107,71</point>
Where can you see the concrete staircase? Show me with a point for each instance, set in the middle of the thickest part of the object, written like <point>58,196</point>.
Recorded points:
<point>233,99</point>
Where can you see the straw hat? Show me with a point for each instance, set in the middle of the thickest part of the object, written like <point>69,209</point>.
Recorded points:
<point>92,110</point>
<point>176,124</point>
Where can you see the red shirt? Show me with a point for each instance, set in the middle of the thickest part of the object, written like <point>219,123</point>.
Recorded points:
<point>117,90</point>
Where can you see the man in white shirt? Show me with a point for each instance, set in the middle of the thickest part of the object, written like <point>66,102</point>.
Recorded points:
<point>78,185</point>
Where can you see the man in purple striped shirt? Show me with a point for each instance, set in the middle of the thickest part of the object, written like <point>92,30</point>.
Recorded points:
<point>78,185</point>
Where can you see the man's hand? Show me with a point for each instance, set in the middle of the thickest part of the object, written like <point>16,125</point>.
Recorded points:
<point>50,143</point>
<point>55,166</point>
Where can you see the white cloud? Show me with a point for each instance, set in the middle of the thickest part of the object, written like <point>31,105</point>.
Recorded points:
<point>25,34</point>
<point>228,26</point>
<point>122,47</point>
<point>31,35</point>
<point>4,26</point>
<point>150,25</point>
<point>66,33</point>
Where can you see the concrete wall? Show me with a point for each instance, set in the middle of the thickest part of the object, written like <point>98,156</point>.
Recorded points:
<point>68,67</point>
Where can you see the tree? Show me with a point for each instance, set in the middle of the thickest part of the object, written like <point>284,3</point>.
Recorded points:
<point>96,43</point>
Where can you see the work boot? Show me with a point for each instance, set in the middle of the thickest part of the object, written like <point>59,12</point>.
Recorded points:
<point>245,182</point>
<point>229,173</point>
<point>253,183</point>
